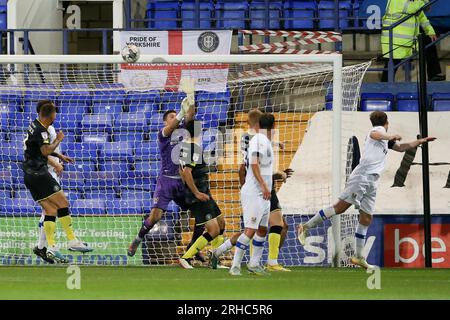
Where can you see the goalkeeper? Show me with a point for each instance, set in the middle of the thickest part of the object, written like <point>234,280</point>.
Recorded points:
<point>169,185</point>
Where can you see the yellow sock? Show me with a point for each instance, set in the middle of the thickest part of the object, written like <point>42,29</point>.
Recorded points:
<point>198,245</point>
<point>250,246</point>
<point>49,230</point>
<point>66,223</point>
<point>274,245</point>
<point>217,242</point>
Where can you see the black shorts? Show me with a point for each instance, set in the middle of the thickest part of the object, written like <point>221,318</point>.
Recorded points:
<point>205,211</point>
<point>274,202</point>
<point>41,184</point>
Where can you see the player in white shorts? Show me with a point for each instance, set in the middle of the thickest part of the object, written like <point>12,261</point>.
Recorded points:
<point>255,197</point>
<point>361,187</point>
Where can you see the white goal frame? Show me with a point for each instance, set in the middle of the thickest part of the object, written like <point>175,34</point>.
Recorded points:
<point>334,59</point>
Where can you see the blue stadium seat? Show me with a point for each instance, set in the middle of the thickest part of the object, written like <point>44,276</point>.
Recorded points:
<point>144,196</point>
<point>218,108</point>
<point>327,14</point>
<point>213,96</point>
<point>73,195</point>
<point>73,180</point>
<point>82,150</point>
<point>18,207</point>
<point>114,166</point>
<point>4,121</point>
<point>88,207</point>
<point>377,101</point>
<point>147,150</point>
<point>156,122</point>
<point>440,101</point>
<point>81,166</point>
<point>5,194</point>
<point>12,97</point>
<point>135,181</point>
<point>300,14</point>
<point>209,120</point>
<point>67,107</point>
<point>69,122</point>
<point>107,108</point>
<point>257,11</point>
<point>189,14</point>
<point>9,108</point>
<point>11,151</point>
<point>38,92</point>
<point>163,14</point>
<point>129,136</point>
<point>91,137</point>
<point>172,96</point>
<point>231,14</point>
<point>21,121</point>
<point>407,102</point>
<point>147,169</point>
<point>148,108</point>
<point>97,122</point>
<point>124,206</point>
<point>22,194</point>
<point>76,94</point>
<point>3,21</point>
<point>100,180</point>
<point>109,93</point>
<point>131,121</point>
<point>117,151</point>
<point>329,102</point>
<point>140,96</point>
<point>105,194</point>
<point>5,179</point>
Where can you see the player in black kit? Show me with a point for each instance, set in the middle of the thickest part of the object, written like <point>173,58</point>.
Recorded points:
<point>43,187</point>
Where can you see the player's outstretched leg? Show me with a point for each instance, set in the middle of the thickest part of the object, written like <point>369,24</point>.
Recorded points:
<point>41,249</point>
<point>50,231</point>
<point>360,235</point>
<point>147,225</point>
<point>303,229</point>
<point>212,231</point>
<point>242,245</point>
<point>59,200</point>
<point>198,231</point>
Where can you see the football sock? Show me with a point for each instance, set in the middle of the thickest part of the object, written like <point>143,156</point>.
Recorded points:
<point>66,222</point>
<point>258,248</point>
<point>50,229</point>
<point>360,236</point>
<point>320,217</point>
<point>42,239</point>
<point>224,247</point>
<point>198,245</point>
<point>146,227</point>
<point>241,247</point>
<point>274,244</point>
<point>217,241</point>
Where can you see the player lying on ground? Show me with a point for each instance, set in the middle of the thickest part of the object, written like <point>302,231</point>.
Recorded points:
<point>43,187</point>
<point>205,210</point>
<point>278,226</point>
<point>255,197</point>
<point>361,187</point>
<point>169,186</point>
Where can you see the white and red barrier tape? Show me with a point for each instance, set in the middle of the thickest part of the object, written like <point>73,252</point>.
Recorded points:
<point>302,38</point>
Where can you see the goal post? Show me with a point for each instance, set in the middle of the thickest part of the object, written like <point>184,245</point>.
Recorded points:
<point>305,77</point>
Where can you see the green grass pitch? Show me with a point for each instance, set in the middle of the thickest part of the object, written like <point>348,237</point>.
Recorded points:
<point>21,282</point>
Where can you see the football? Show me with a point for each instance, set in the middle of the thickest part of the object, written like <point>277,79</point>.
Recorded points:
<point>130,53</point>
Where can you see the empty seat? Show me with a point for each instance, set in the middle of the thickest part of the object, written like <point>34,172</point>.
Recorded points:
<point>4,121</point>
<point>69,122</point>
<point>147,150</point>
<point>377,101</point>
<point>81,166</point>
<point>18,207</point>
<point>156,122</point>
<point>140,96</point>
<point>72,107</point>
<point>75,94</point>
<point>109,93</point>
<point>114,166</point>
<point>129,136</point>
<point>11,151</point>
<point>131,121</point>
<point>22,194</point>
<point>162,14</point>
<point>88,207</point>
<point>300,14</point>
<point>218,108</point>
<point>82,150</point>
<point>107,108</point>
<point>329,102</point>
<point>73,195</point>
<point>105,194</point>
<point>11,96</point>
<point>21,121</point>
<point>192,19</point>
<point>100,180</point>
<point>117,151</point>
<point>38,92</point>
<point>73,180</point>
<point>147,168</point>
<point>124,206</point>
<point>327,14</point>
<point>5,194</point>
<point>231,14</point>
<point>97,122</point>
<point>258,14</point>
<point>172,96</point>
<point>407,102</point>
<point>209,120</point>
<point>94,137</point>
<point>440,101</point>
<point>5,179</point>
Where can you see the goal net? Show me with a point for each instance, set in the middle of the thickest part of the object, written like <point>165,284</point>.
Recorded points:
<point>111,113</point>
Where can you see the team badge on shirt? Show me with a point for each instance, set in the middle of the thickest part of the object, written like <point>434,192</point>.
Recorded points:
<point>44,135</point>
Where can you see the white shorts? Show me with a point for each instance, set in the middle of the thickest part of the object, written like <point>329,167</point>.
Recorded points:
<point>54,175</point>
<point>256,210</point>
<point>361,191</point>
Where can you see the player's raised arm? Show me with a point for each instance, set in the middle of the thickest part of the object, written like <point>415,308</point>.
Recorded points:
<point>402,147</point>
<point>49,148</point>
